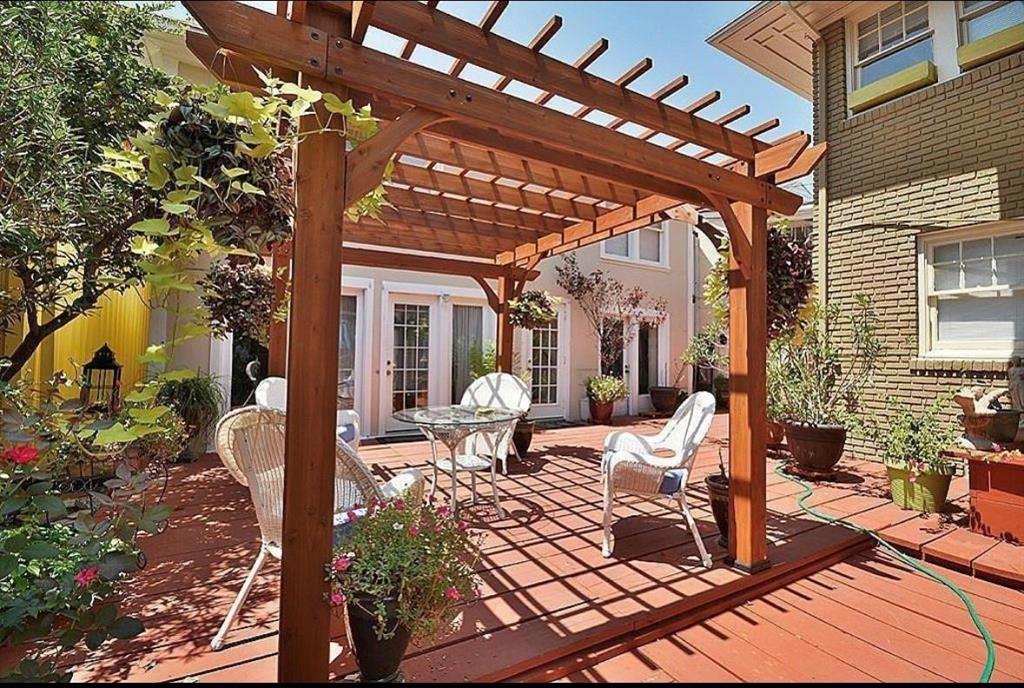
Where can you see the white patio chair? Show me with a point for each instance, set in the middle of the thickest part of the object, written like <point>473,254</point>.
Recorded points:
<point>497,390</point>
<point>631,465</point>
<point>250,443</point>
<point>272,392</point>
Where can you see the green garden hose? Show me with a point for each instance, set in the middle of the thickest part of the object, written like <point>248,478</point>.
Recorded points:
<point>990,647</point>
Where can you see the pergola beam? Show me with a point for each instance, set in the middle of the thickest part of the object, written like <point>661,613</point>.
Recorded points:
<point>451,35</point>
<point>412,199</point>
<point>394,260</point>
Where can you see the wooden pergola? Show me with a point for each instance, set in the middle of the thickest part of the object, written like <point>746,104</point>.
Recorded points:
<point>486,185</point>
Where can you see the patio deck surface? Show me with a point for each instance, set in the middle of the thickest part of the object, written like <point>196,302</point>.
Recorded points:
<point>547,593</point>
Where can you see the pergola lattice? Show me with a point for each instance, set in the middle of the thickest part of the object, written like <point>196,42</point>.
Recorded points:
<point>486,185</point>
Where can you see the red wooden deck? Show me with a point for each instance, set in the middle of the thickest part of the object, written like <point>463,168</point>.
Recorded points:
<point>547,593</point>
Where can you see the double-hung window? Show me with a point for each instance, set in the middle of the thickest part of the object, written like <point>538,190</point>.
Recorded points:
<point>647,246</point>
<point>982,18</point>
<point>973,293</point>
<point>888,42</point>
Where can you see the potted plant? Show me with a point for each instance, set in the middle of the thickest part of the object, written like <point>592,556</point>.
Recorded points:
<point>197,399</point>
<point>821,384</point>
<point>718,495</point>
<point>776,408</point>
<point>913,447</point>
<point>402,573</point>
<point>602,393</point>
<point>64,556</point>
<point>666,398</point>
<point>533,309</point>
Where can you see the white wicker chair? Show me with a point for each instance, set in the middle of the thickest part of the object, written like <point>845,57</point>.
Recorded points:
<point>630,464</point>
<point>272,392</point>
<point>250,443</point>
<point>497,390</point>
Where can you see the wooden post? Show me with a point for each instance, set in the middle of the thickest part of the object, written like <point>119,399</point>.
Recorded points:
<point>304,641</point>
<point>503,353</point>
<point>277,346</point>
<point>748,340</point>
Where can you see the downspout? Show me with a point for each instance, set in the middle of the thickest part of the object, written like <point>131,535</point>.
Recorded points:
<point>820,104</point>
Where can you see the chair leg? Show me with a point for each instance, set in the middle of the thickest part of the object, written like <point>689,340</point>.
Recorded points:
<point>236,606</point>
<point>494,490</point>
<point>691,524</point>
<point>433,481</point>
<point>472,483</point>
<point>608,544</point>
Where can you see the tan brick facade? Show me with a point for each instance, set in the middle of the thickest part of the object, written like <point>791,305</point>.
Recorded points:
<point>947,155</point>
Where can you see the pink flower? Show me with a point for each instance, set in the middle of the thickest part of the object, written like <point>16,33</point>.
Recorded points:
<point>86,576</point>
<point>399,504</point>
<point>20,454</point>
<point>443,512</point>
<point>453,594</point>
<point>351,516</point>
<point>414,531</point>
<point>463,525</point>
<point>337,599</point>
<point>341,564</point>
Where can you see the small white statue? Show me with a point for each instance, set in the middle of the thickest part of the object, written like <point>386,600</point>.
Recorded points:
<point>1015,379</point>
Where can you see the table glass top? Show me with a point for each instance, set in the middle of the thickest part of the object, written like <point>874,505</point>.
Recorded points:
<point>429,416</point>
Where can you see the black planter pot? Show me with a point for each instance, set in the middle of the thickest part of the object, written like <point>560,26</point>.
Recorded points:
<point>665,399</point>
<point>378,659</point>
<point>718,494</point>
<point>522,436</point>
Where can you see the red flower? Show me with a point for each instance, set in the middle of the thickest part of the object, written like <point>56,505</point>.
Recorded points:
<point>351,516</point>
<point>21,454</point>
<point>337,599</point>
<point>86,576</point>
<point>453,594</point>
<point>341,564</point>
<point>463,525</point>
<point>414,531</point>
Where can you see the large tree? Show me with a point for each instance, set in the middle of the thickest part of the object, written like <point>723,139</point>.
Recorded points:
<point>73,80</point>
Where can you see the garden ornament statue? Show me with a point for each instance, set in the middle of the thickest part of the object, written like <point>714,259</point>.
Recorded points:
<point>986,420</point>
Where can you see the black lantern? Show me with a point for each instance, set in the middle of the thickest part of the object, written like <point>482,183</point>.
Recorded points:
<point>101,381</point>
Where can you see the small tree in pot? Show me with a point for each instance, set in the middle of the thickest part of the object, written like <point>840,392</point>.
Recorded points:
<point>402,572</point>
<point>820,384</point>
<point>602,393</point>
<point>912,446</point>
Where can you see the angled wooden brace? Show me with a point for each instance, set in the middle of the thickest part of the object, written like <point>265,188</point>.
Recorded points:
<point>739,243</point>
<point>367,162</point>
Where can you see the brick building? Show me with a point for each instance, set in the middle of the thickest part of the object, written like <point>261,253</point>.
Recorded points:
<point>921,202</point>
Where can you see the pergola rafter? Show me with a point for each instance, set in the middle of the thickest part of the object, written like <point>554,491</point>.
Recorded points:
<point>486,185</point>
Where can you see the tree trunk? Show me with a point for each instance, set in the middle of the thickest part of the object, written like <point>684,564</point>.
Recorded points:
<point>22,354</point>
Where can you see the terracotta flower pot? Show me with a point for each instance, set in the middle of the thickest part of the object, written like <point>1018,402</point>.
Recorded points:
<point>926,493</point>
<point>379,659</point>
<point>815,448</point>
<point>665,399</point>
<point>718,494</point>
<point>601,411</point>
<point>776,433</point>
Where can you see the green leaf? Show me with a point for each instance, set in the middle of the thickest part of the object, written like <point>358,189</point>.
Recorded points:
<point>157,226</point>
<point>148,415</point>
<point>232,172</point>
<point>116,434</point>
<point>50,504</point>
<point>308,95</point>
<point>13,504</point>
<point>250,189</point>
<point>176,375</point>
<point>336,105</point>
<point>140,395</point>
<point>144,246</point>
<point>175,208</point>
<point>8,564</point>
<point>95,638</point>
<point>124,628</point>
<point>40,550</point>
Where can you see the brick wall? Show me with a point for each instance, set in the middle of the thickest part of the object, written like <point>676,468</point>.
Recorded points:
<point>947,155</point>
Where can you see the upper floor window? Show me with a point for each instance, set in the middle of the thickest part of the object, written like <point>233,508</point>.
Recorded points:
<point>973,293</point>
<point>888,42</point>
<point>982,18</point>
<point>647,246</point>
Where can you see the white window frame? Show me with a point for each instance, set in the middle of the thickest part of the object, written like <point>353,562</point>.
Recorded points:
<point>859,63</point>
<point>633,249</point>
<point>979,349</point>
<point>362,289</point>
<point>962,17</point>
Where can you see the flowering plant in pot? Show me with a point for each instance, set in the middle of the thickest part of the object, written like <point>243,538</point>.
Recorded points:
<point>821,382</point>
<point>64,555</point>
<point>403,573</point>
<point>912,446</point>
<point>533,309</point>
<point>602,393</point>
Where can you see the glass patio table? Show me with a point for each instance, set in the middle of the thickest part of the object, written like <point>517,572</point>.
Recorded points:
<point>450,425</point>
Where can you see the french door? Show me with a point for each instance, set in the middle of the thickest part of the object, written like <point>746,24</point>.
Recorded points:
<point>546,354</point>
<point>410,344</point>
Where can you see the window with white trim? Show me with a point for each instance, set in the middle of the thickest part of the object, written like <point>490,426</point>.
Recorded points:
<point>888,42</point>
<point>973,293</point>
<point>647,246</point>
<point>982,18</point>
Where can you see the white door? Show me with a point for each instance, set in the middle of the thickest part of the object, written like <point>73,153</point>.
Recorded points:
<point>644,364</point>
<point>546,354</point>
<point>409,345</point>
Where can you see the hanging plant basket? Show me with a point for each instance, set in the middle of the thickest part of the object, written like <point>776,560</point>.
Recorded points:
<point>533,309</point>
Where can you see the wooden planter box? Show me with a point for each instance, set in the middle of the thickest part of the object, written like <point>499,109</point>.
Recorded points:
<point>997,494</point>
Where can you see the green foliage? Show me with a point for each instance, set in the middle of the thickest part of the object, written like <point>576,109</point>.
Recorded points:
<point>239,298</point>
<point>72,81</point>
<point>63,556</point>
<point>818,382</point>
<point>483,361</point>
<point>915,442</point>
<point>534,308</point>
<point>197,400</point>
<point>704,349</point>
<point>606,389</point>
<point>419,555</point>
